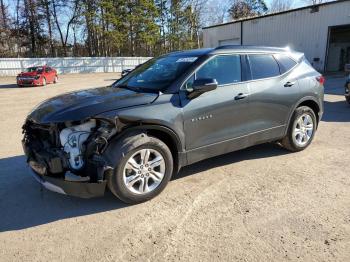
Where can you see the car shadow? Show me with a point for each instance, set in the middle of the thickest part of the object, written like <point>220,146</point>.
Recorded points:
<point>256,152</point>
<point>9,86</point>
<point>24,203</point>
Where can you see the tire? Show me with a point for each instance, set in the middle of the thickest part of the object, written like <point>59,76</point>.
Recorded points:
<point>294,142</point>
<point>55,80</point>
<point>348,99</point>
<point>128,147</point>
<point>44,81</point>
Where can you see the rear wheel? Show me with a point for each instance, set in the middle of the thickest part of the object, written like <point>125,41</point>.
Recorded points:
<point>143,167</point>
<point>55,80</point>
<point>301,130</point>
<point>44,81</point>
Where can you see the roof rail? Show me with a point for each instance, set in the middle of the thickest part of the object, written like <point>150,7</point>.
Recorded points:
<point>227,47</point>
<point>263,48</point>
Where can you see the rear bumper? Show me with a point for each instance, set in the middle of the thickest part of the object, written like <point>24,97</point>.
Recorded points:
<point>76,189</point>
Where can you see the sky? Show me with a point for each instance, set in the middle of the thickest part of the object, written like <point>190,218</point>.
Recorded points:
<point>297,3</point>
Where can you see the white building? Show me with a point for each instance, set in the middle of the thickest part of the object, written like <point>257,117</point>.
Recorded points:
<point>321,31</point>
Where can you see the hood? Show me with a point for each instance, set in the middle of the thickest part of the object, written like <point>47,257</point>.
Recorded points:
<point>83,104</point>
<point>29,74</point>
<point>35,73</point>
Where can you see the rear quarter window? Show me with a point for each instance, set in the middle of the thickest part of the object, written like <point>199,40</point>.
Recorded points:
<point>286,63</point>
<point>263,66</point>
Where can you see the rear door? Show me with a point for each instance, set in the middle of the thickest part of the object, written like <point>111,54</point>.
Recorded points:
<point>216,122</point>
<point>273,91</point>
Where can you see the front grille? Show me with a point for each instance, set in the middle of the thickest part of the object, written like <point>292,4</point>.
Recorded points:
<point>41,146</point>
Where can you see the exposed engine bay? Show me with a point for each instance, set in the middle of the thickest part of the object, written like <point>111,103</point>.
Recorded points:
<point>72,140</point>
<point>71,151</point>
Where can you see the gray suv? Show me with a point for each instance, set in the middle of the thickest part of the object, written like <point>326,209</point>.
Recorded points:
<point>170,112</point>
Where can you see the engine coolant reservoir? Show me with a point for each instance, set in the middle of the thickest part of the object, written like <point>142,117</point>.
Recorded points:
<point>72,139</point>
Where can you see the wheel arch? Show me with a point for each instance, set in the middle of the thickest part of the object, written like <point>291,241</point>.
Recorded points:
<point>163,133</point>
<point>306,101</point>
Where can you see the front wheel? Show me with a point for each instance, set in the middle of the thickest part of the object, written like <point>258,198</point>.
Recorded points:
<point>301,130</point>
<point>143,167</point>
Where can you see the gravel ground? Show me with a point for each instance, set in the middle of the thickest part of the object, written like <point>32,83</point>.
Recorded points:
<point>258,204</point>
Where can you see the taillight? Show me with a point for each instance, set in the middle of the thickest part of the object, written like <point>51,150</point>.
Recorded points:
<point>321,79</point>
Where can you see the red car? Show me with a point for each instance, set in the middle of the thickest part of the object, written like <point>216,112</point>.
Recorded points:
<point>37,76</point>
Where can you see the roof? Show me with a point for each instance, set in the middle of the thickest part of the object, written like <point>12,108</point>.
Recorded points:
<point>279,13</point>
<point>229,48</point>
<point>193,52</point>
<point>248,48</point>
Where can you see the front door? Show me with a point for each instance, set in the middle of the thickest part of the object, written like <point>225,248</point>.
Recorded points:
<point>215,122</point>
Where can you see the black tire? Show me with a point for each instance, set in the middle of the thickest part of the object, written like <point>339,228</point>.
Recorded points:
<point>120,152</point>
<point>288,141</point>
<point>348,99</point>
<point>55,80</point>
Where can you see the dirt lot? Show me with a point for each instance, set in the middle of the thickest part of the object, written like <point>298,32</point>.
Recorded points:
<point>259,204</point>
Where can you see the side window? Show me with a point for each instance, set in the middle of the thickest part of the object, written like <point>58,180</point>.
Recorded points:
<point>285,62</point>
<point>263,66</point>
<point>226,69</point>
<point>189,84</point>
<point>48,69</point>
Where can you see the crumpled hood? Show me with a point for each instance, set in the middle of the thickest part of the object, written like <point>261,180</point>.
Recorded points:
<point>82,104</point>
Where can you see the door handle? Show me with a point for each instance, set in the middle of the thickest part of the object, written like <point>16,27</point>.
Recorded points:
<point>289,84</point>
<point>241,96</point>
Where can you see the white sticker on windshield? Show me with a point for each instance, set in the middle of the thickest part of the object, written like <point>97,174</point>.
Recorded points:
<point>186,60</point>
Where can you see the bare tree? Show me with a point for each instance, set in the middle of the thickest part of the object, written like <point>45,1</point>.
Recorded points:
<point>30,9</point>
<point>3,14</point>
<point>215,13</point>
<point>71,18</point>
<point>46,6</point>
<point>281,5</point>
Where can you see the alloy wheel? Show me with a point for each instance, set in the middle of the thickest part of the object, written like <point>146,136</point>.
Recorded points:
<point>144,171</point>
<point>303,130</point>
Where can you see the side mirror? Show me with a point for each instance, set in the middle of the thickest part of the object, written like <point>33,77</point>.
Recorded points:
<point>201,86</point>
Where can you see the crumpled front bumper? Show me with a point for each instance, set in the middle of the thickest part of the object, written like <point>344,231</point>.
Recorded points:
<point>40,170</point>
<point>76,189</point>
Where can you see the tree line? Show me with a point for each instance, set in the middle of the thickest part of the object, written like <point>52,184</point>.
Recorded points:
<point>51,28</point>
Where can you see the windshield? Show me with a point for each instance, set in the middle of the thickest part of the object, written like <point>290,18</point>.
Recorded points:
<point>156,74</point>
<point>34,69</point>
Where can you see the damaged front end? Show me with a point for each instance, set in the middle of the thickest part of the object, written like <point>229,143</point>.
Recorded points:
<point>68,157</point>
